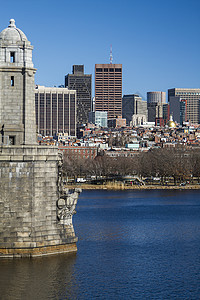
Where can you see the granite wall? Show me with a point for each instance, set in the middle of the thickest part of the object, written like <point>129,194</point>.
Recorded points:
<point>31,221</point>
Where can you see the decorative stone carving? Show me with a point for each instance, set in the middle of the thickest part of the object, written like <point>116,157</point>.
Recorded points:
<point>67,201</point>
<point>66,206</point>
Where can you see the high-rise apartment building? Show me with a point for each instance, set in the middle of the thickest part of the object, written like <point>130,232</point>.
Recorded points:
<point>192,99</point>
<point>82,84</point>
<point>108,89</point>
<point>55,111</point>
<point>133,105</point>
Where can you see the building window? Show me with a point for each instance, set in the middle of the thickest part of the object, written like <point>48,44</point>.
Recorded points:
<point>11,140</point>
<point>12,81</point>
<point>12,57</point>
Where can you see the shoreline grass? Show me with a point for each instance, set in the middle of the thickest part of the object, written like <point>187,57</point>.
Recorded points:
<point>121,186</point>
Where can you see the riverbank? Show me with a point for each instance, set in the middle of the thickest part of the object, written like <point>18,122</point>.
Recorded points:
<point>118,186</point>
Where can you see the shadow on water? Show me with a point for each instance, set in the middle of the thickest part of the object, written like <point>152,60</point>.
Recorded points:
<point>38,278</point>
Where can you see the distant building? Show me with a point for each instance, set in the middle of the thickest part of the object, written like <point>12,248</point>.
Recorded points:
<point>55,111</point>
<point>192,96</point>
<point>122,153</point>
<point>117,122</point>
<point>98,118</point>
<point>155,102</point>
<point>108,89</point>
<point>134,145</point>
<point>166,112</point>
<point>155,111</point>
<point>178,109</point>
<point>133,105</point>
<point>160,122</point>
<point>79,151</point>
<point>82,83</point>
<point>156,98</point>
<point>148,124</point>
<point>138,120</point>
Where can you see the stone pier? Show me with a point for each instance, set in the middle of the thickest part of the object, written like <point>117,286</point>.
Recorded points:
<point>35,218</point>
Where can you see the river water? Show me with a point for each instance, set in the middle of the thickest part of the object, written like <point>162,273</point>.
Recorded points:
<point>132,245</point>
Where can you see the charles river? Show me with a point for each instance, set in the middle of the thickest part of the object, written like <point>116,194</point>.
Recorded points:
<point>132,245</point>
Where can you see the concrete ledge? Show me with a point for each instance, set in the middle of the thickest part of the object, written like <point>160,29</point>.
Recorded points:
<point>35,252</point>
<point>28,153</point>
<point>28,150</point>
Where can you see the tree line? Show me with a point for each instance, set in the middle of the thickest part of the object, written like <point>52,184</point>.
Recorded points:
<point>178,163</point>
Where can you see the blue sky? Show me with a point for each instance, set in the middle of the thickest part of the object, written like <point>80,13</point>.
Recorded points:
<point>157,41</point>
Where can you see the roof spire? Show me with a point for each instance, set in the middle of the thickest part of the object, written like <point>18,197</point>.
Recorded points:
<point>111,57</point>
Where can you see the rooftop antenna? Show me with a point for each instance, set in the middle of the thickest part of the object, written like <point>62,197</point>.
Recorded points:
<point>111,57</point>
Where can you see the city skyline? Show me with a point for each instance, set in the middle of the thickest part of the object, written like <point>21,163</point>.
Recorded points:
<point>156,43</point>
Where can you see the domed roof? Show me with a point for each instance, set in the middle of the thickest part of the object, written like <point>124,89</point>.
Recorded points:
<point>12,34</point>
<point>171,123</point>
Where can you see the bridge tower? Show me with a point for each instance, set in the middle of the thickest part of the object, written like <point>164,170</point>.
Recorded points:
<point>35,210</point>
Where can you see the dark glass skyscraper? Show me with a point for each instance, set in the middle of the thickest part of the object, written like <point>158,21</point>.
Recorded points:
<point>178,109</point>
<point>82,83</point>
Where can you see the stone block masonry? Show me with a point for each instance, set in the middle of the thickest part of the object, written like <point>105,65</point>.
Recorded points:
<point>32,222</point>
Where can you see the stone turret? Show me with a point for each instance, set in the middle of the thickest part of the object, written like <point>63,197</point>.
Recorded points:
<point>17,97</point>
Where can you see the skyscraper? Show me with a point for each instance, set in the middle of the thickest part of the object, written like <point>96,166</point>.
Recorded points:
<point>82,83</point>
<point>155,102</point>
<point>55,111</point>
<point>178,109</point>
<point>192,97</point>
<point>108,89</point>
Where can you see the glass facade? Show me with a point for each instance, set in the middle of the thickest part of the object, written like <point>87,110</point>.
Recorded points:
<point>98,118</point>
